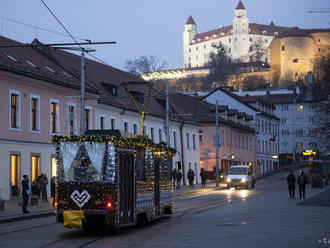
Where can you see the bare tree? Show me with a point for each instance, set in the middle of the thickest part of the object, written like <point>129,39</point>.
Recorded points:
<point>145,64</point>
<point>254,82</point>
<point>257,50</point>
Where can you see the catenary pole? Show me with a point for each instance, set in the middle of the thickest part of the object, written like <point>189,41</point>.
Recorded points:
<point>168,116</point>
<point>82,94</point>
<point>217,143</point>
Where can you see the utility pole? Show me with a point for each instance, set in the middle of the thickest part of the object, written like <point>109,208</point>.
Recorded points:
<point>168,115</point>
<point>82,94</point>
<point>217,144</point>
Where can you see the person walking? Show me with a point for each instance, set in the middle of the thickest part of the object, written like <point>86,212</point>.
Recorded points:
<point>190,176</point>
<point>291,179</point>
<point>43,187</point>
<point>302,181</point>
<point>174,176</point>
<point>203,177</point>
<point>178,179</point>
<point>25,193</point>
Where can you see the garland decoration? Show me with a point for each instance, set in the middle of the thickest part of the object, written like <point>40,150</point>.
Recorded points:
<point>140,142</point>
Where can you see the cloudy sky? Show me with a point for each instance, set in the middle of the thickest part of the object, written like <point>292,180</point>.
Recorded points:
<point>146,27</point>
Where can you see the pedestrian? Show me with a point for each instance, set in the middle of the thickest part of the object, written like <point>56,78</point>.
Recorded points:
<point>302,181</point>
<point>178,179</point>
<point>43,187</point>
<point>174,175</point>
<point>52,188</point>
<point>203,177</point>
<point>25,193</point>
<point>291,179</point>
<point>37,184</point>
<point>190,176</point>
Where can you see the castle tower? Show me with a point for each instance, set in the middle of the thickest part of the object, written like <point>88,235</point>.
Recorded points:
<point>190,30</point>
<point>240,31</point>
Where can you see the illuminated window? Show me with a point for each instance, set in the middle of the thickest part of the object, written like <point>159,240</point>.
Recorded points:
<point>15,161</point>
<point>300,107</point>
<point>87,118</point>
<point>54,167</point>
<point>35,167</point>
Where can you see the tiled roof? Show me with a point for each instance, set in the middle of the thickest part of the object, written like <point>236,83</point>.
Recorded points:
<point>240,5</point>
<point>190,20</point>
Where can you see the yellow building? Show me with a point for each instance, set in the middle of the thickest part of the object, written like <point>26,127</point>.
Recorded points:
<point>297,52</point>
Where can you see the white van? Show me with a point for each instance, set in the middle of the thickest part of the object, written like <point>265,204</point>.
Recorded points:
<point>240,176</point>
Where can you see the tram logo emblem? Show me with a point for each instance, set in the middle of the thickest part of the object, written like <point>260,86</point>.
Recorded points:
<point>80,198</point>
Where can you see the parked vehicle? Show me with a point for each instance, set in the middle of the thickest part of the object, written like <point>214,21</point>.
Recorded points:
<point>240,176</point>
<point>111,181</point>
<point>318,173</point>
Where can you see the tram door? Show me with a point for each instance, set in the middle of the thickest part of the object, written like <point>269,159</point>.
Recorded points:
<point>126,188</point>
<point>157,187</point>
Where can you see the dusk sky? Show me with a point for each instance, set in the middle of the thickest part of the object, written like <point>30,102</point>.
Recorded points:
<point>146,27</point>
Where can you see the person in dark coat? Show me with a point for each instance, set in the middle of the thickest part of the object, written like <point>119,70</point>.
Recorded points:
<point>25,193</point>
<point>52,188</point>
<point>178,179</point>
<point>174,175</point>
<point>43,187</point>
<point>190,176</point>
<point>291,179</point>
<point>302,181</point>
<point>203,177</point>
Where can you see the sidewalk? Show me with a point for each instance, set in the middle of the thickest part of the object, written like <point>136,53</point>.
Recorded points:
<point>13,212</point>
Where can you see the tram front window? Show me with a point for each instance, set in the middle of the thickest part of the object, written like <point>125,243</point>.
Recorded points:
<point>84,162</point>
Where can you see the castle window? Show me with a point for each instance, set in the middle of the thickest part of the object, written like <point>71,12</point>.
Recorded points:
<point>204,46</point>
<point>190,50</point>
<point>264,32</point>
<point>275,33</point>
<point>206,37</point>
<point>319,49</point>
<point>189,59</point>
<point>222,34</point>
<point>229,50</point>
<point>229,40</point>
<point>214,36</point>
<point>196,57</point>
<point>250,49</point>
<point>283,48</point>
<point>250,39</point>
<point>319,40</point>
<point>266,41</point>
<point>235,39</point>
<point>196,48</point>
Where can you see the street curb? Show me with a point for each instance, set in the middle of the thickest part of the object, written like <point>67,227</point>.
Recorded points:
<point>26,217</point>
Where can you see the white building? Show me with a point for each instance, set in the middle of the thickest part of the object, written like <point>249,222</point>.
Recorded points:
<point>297,115</point>
<point>265,123</point>
<point>238,39</point>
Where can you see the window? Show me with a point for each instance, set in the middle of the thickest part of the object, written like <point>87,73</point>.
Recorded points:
<point>101,122</point>
<point>72,118</point>
<point>54,166</point>
<point>189,49</point>
<point>15,161</point>
<point>262,125</point>
<point>196,48</point>
<point>250,49</point>
<point>312,145</point>
<point>299,132</point>
<point>312,132</point>
<point>126,126</point>
<point>174,140</point>
<point>229,50</point>
<point>194,141</point>
<point>15,109</point>
<point>285,132</point>
<point>250,39</point>
<point>285,108</point>
<point>188,141</point>
<point>35,113</point>
<point>283,48</point>
<point>200,136</point>
<point>299,145</point>
<point>311,120</point>
<point>204,46</point>
<point>54,122</point>
<point>135,129</point>
<point>144,130</point>
<point>87,118</point>
<point>239,141</point>
<point>152,134</point>
<point>35,167</point>
<point>112,123</point>
<point>160,133</point>
<point>229,40</point>
<point>138,96</point>
<point>266,41</point>
<point>263,146</point>
<point>300,108</point>
<point>112,89</point>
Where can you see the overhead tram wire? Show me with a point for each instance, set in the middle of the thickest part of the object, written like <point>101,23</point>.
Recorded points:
<point>39,28</point>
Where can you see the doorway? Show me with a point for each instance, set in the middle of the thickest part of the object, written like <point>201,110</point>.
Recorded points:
<point>15,161</point>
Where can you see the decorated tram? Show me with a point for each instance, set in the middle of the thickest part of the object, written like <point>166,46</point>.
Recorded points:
<point>111,180</point>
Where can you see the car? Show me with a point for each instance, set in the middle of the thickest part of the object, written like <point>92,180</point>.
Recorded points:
<point>240,176</point>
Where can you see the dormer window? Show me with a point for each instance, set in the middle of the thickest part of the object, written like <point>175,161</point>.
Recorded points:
<point>264,32</point>
<point>275,33</point>
<point>12,58</point>
<point>198,39</point>
<point>49,69</point>
<point>207,37</point>
<point>112,89</point>
<point>30,63</point>
<point>222,34</point>
<point>214,36</point>
<point>138,96</point>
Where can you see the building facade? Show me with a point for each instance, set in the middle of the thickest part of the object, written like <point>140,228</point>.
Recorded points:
<point>265,124</point>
